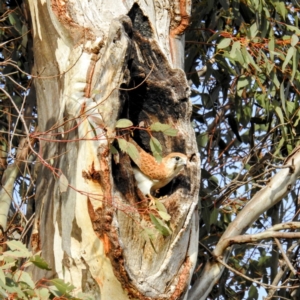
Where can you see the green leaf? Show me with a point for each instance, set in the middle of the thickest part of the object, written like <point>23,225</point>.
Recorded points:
<point>12,287</point>
<point>214,37</point>
<point>162,211</point>
<point>3,294</point>
<point>279,113</point>
<point>250,59</point>
<point>24,35</point>
<point>160,206</point>
<point>18,250</point>
<point>42,294</point>
<point>156,148</point>
<point>280,8</point>
<point>165,216</point>
<point>294,40</point>
<point>293,28</point>
<point>243,81</point>
<point>130,149</point>
<point>171,132</point>
<point>133,152</point>
<point>12,18</point>
<point>253,293</point>
<point>157,126</point>
<point>279,146</point>
<point>265,24</point>
<point>246,115</point>
<point>235,46</point>
<point>160,225</point>
<point>214,216</point>
<point>253,30</point>
<point>224,43</point>
<point>206,100</point>
<point>123,145</point>
<point>2,276</point>
<point>24,277</point>
<point>202,140</point>
<point>164,128</point>
<point>275,79</point>
<point>113,150</point>
<point>295,64</point>
<point>298,118</point>
<point>16,245</point>
<point>62,287</point>
<point>40,262</point>
<point>214,180</point>
<point>124,123</point>
<point>239,57</point>
<point>289,56</point>
<point>85,296</point>
<point>282,97</point>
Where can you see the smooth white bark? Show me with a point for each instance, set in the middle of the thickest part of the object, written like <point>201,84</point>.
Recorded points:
<point>6,192</point>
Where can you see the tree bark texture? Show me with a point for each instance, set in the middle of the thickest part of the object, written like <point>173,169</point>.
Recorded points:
<point>97,62</point>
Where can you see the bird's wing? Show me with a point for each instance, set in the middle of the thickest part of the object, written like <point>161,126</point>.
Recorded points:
<point>148,164</point>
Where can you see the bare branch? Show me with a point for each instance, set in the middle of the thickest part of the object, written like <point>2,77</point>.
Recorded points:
<point>278,187</point>
<point>280,273</point>
<point>286,259</point>
<point>253,280</point>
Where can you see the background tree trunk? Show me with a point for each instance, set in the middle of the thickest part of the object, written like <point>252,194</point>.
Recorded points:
<point>97,62</point>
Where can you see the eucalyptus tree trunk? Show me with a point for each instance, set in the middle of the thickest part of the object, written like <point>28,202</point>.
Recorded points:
<point>97,62</point>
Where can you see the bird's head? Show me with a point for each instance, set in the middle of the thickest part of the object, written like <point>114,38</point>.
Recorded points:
<point>175,162</point>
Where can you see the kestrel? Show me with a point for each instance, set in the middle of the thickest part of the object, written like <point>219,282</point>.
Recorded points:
<point>151,175</point>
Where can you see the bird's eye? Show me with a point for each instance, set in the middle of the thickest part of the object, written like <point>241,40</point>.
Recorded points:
<point>177,158</point>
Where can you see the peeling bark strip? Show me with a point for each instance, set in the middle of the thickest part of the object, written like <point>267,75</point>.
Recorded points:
<point>179,23</point>
<point>185,18</point>
<point>103,156</point>
<point>183,281</point>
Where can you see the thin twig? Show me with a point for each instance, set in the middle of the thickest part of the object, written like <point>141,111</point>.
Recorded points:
<point>286,259</point>
<point>253,280</point>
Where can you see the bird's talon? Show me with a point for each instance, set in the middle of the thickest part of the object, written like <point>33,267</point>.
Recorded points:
<point>152,202</point>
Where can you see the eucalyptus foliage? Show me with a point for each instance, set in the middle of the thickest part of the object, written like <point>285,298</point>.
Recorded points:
<point>242,59</point>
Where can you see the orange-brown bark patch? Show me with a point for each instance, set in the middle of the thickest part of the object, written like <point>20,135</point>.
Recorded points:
<point>77,32</point>
<point>99,281</point>
<point>106,243</point>
<point>92,174</point>
<point>59,8</point>
<point>185,20</point>
<point>183,280</point>
<point>89,76</point>
<point>105,175</point>
<point>35,242</point>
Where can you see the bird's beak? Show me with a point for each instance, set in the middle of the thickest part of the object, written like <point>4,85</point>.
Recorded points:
<point>184,166</point>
